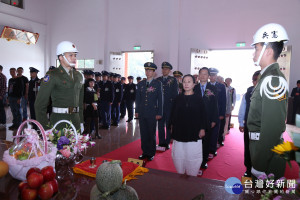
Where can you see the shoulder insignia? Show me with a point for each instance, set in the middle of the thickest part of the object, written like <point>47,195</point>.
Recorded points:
<point>46,78</point>
<point>274,92</point>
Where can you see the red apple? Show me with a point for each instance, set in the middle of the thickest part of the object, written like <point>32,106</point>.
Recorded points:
<point>22,186</point>
<point>29,194</point>
<point>46,191</point>
<point>33,169</point>
<point>35,180</point>
<point>54,185</point>
<point>48,173</point>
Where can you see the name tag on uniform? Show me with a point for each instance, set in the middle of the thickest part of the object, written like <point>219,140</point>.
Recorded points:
<point>131,91</point>
<point>106,89</point>
<point>254,135</point>
<point>117,90</point>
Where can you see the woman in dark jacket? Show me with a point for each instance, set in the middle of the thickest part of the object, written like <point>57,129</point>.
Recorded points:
<point>91,108</point>
<point>188,123</point>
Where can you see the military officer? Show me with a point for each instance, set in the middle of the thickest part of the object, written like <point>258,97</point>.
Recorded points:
<point>118,90</point>
<point>130,93</point>
<point>218,130</point>
<point>178,75</point>
<point>34,85</point>
<point>123,103</point>
<point>138,79</point>
<point>97,88</point>
<point>267,113</point>
<point>106,99</point>
<point>149,109</point>
<point>65,86</point>
<point>170,91</point>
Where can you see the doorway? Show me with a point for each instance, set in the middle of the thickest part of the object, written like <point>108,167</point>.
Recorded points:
<point>134,63</point>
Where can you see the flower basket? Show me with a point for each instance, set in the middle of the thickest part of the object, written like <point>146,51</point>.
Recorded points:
<point>30,152</point>
<point>66,157</point>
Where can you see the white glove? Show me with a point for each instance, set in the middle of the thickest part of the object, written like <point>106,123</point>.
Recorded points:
<point>81,128</point>
<point>257,173</point>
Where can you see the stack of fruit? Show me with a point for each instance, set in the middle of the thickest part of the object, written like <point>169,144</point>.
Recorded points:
<point>39,183</point>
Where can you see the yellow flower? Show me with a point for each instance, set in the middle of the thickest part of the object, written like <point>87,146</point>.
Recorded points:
<point>285,147</point>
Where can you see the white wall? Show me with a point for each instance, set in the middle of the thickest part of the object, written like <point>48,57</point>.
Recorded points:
<point>16,54</point>
<point>81,22</point>
<point>169,27</point>
<point>212,24</point>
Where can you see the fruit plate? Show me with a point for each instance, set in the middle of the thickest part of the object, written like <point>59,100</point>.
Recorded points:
<point>38,153</point>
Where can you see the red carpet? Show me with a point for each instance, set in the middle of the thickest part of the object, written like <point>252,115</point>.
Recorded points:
<point>228,163</point>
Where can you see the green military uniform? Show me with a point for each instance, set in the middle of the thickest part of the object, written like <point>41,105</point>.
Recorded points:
<point>266,119</point>
<point>65,92</point>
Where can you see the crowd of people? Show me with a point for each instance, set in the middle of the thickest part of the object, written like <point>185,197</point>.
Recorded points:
<point>193,110</point>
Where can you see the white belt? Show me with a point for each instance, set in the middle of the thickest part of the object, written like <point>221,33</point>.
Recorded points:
<point>254,135</point>
<point>68,110</point>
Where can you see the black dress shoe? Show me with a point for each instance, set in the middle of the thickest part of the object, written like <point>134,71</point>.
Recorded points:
<point>13,127</point>
<point>204,166</point>
<point>115,124</point>
<point>167,146</point>
<point>129,120</point>
<point>105,127</point>
<point>98,137</point>
<point>247,174</point>
<point>143,156</point>
<point>150,158</point>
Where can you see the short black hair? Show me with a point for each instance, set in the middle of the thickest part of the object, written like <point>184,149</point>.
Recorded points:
<point>189,75</point>
<point>255,75</point>
<point>298,81</point>
<point>1,68</point>
<point>277,48</point>
<point>204,68</point>
<point>20,68</point>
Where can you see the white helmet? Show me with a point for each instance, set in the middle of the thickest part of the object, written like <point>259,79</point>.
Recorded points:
<point>270,33</point>
<point>65,46</point>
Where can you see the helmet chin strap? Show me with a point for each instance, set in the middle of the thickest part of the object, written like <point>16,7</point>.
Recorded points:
<point>261,54</point>
<point>71,64</point>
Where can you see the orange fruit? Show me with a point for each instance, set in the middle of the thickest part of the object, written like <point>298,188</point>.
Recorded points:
<point>3,168</point>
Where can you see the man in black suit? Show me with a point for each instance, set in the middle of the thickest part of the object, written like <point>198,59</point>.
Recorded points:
<point>296,102</point>
<point>209,95</point>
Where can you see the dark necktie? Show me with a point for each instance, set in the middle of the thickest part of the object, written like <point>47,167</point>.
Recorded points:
<point>202,89</point>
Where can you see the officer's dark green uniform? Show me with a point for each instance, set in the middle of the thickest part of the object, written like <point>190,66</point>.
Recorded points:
<point>66,93</point>
<point>266,121</point>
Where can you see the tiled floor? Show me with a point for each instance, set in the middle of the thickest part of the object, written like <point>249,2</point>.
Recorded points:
<point>111,139</point>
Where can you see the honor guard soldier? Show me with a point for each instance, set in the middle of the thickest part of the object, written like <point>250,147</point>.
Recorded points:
<point>34,85</point>
<point>218,130</point>
<point>130,93</point>
<point>123,103</point>
<point>149,109</point>
<point>106,99</point>
<point>118,89</point>
<point>65,86</point>
<point>267,113</point>
<point>178,75</point>
<point>170,91</point>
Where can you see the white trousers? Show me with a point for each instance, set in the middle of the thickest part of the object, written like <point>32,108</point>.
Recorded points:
<point>187,157</point>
